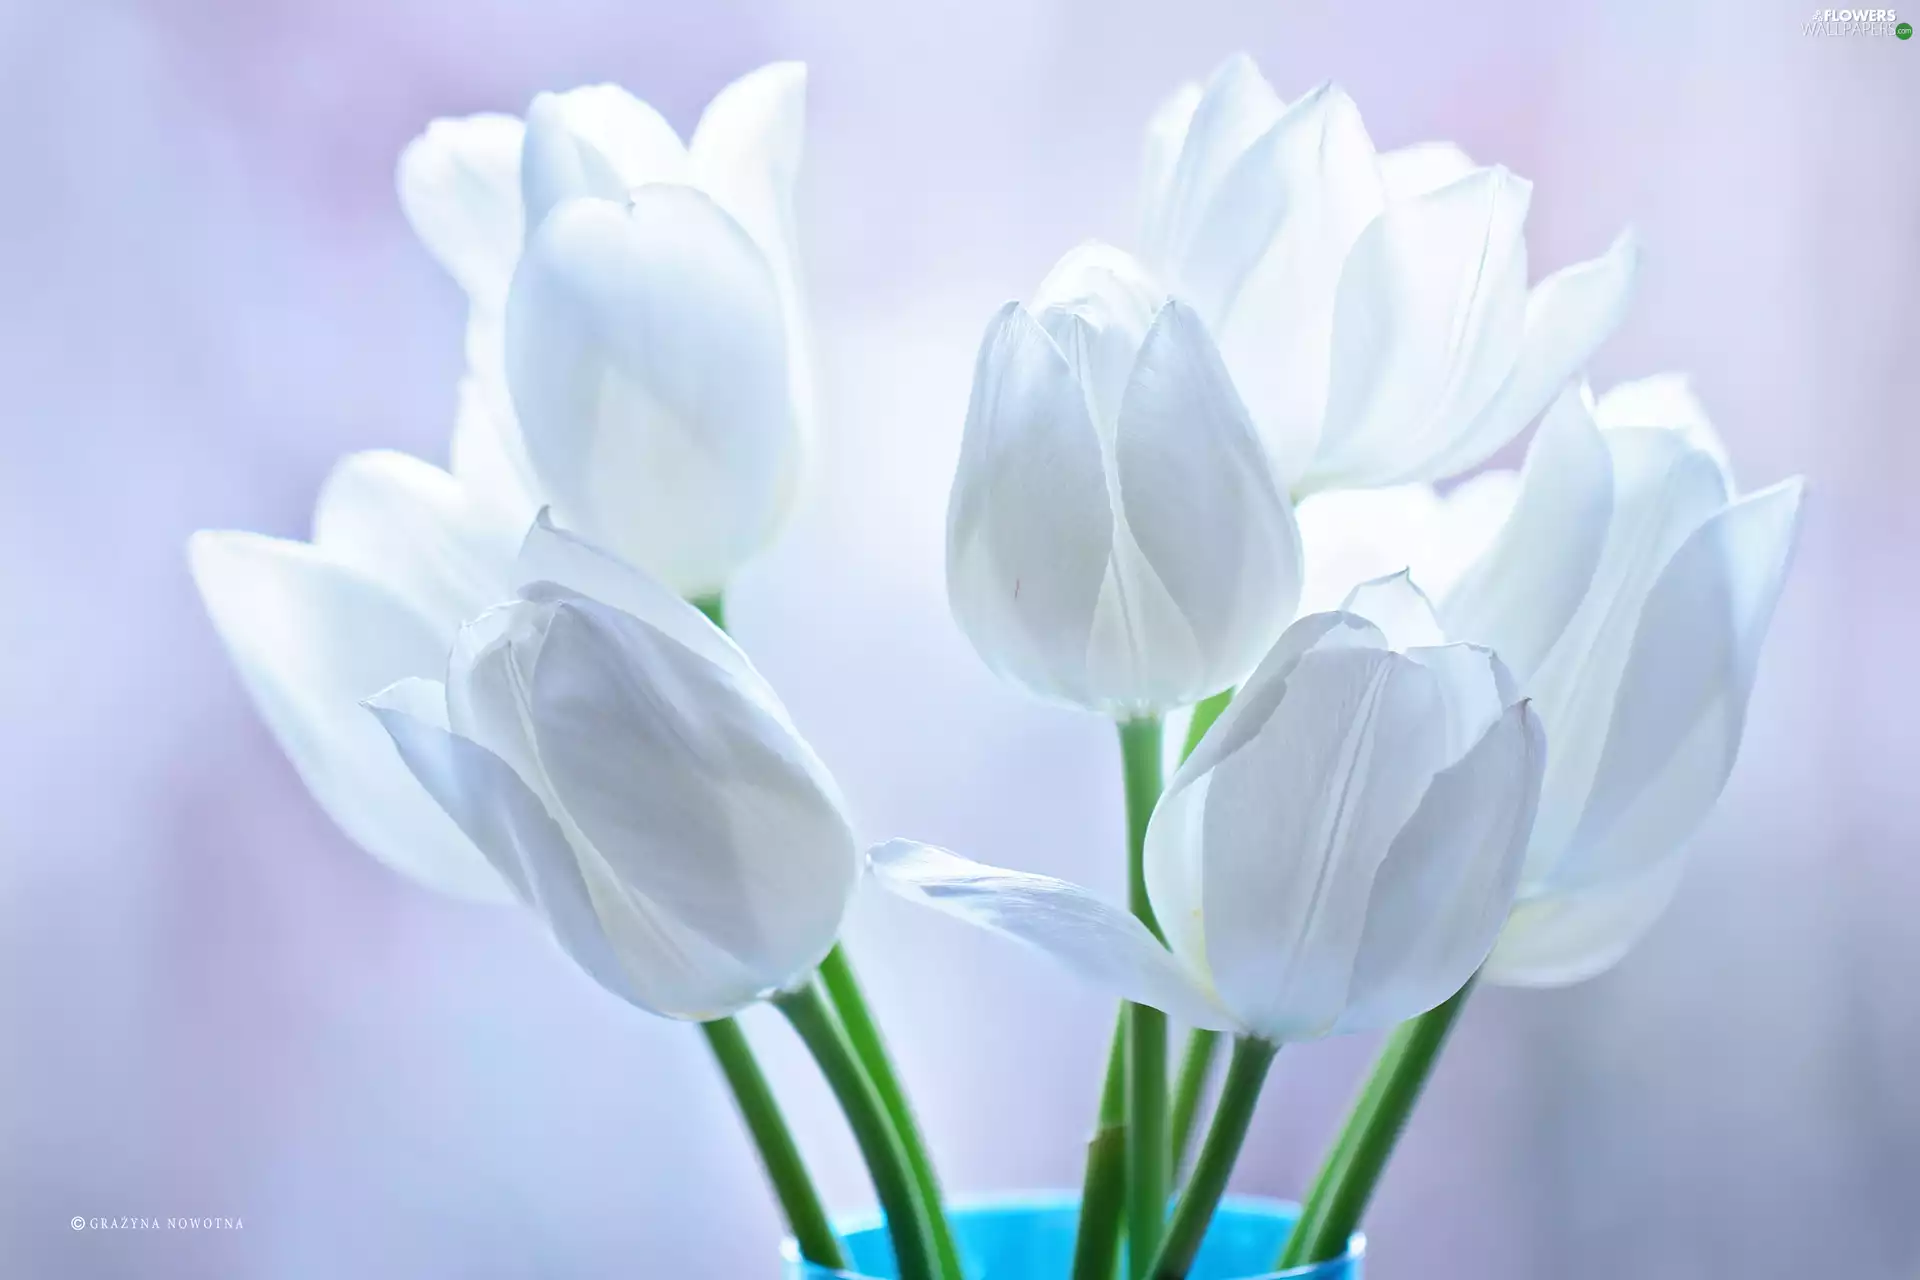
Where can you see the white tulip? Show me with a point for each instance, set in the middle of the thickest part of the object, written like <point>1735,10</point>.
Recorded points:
<point>629,774</point>
<point>648,364</point>
<point>1629,592</point>
<point>402,554</point>
<point>663,359</point>
<point>1338,853</point>
<point>1373,308</point>
<point>1115,537</point>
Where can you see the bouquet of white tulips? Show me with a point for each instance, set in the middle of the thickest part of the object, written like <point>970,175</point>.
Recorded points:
<point>1426,739</point>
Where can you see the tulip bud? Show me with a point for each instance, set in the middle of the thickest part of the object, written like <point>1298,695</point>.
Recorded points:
<point>629,774</point>
<point>647,357</point>
<point>1115,537</point>
<point>660,364</point>
<point>1373,308</point>
<point>1337,855</point>
<point>1629,591</point>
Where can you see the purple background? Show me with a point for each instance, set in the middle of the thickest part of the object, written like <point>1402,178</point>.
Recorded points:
<point>211,1004</point>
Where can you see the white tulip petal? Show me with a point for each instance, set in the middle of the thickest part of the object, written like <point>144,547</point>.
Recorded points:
<point>1475,686</point>
<point>1236,106</point>
<point>1298,821</point>
<point>1663,490</point>
<point>1422,167</point>
<point>489,682</point>
<point>1427,320</point>
<point>678,975</point>
<point>635,138</point>
<point>460,188</point>
<point>1663,400</point>
<point>746,154</point>
<point>1096,941</point>
<point>1166,135</point>
<point>1185,445</point>
<point>1174,871</point>
<point>1267,184</point>
<point>1175,836</point>
<point>551,554</point>
<point>1681,704</point>
<point>487,458</point>
<point>648,342</point>
<point>1569,314</point>
<point>1444,890</point>
<point>413,528</point>
<point>696,797</point>
<point>1277,335</point>
<point>1143,654</point>
<point>1395,604</point>
<point>1560,939</point>
<point>1255,700</point>
<point>312,638</point>
<point>1097,305</point>
<point>483,796</point>
<point>558,164</point>
<point>1519,597</point>
<point>1029,522</point>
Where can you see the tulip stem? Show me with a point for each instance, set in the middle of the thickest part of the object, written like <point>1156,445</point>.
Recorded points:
<point>1196,1067</point>
<point>1359,1156</point>
<point>1204,714</point>
<point>1246,1073</point>
<point>850,1004</point>
<point>779,1155</point>
<point>819,1029</point>
<point>1148,1182</point>
<point>1103,1193</point>
<point>714,606</point>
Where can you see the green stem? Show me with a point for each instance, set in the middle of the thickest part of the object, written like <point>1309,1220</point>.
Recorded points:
<point>1246,1072</point>
<point>1196,1066</point>
<point>850,1004</point>
<point>714,606</point>
<point>1148,1181</point>
<point>1204,714</point>
<point>1359,1155</point>
<point>779,1155</point>
<point>1103,1195</point>
<point>814,1021</point>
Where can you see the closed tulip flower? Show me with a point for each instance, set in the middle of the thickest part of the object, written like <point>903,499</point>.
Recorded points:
<point>1338,853</point>
<point>1115,537</point>
<point>649,380</point>
<point>1373,307</point>
<point>402,553</point>
<point>623,767</point>
<point>1630,591</point>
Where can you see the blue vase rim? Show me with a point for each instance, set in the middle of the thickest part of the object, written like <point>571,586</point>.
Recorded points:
<point>847,1224</point>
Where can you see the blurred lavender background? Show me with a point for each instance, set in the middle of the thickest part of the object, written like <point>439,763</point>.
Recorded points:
<point>211,1004</point>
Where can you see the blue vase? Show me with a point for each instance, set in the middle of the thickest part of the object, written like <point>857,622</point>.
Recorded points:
<point>1030,1237</point>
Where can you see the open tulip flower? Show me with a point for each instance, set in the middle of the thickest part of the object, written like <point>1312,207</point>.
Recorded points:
<point>638,357</point>
<point>1629,590</point>
<point>1338,854</point>
<point>1373,308</point>
<point>1115,537</point>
